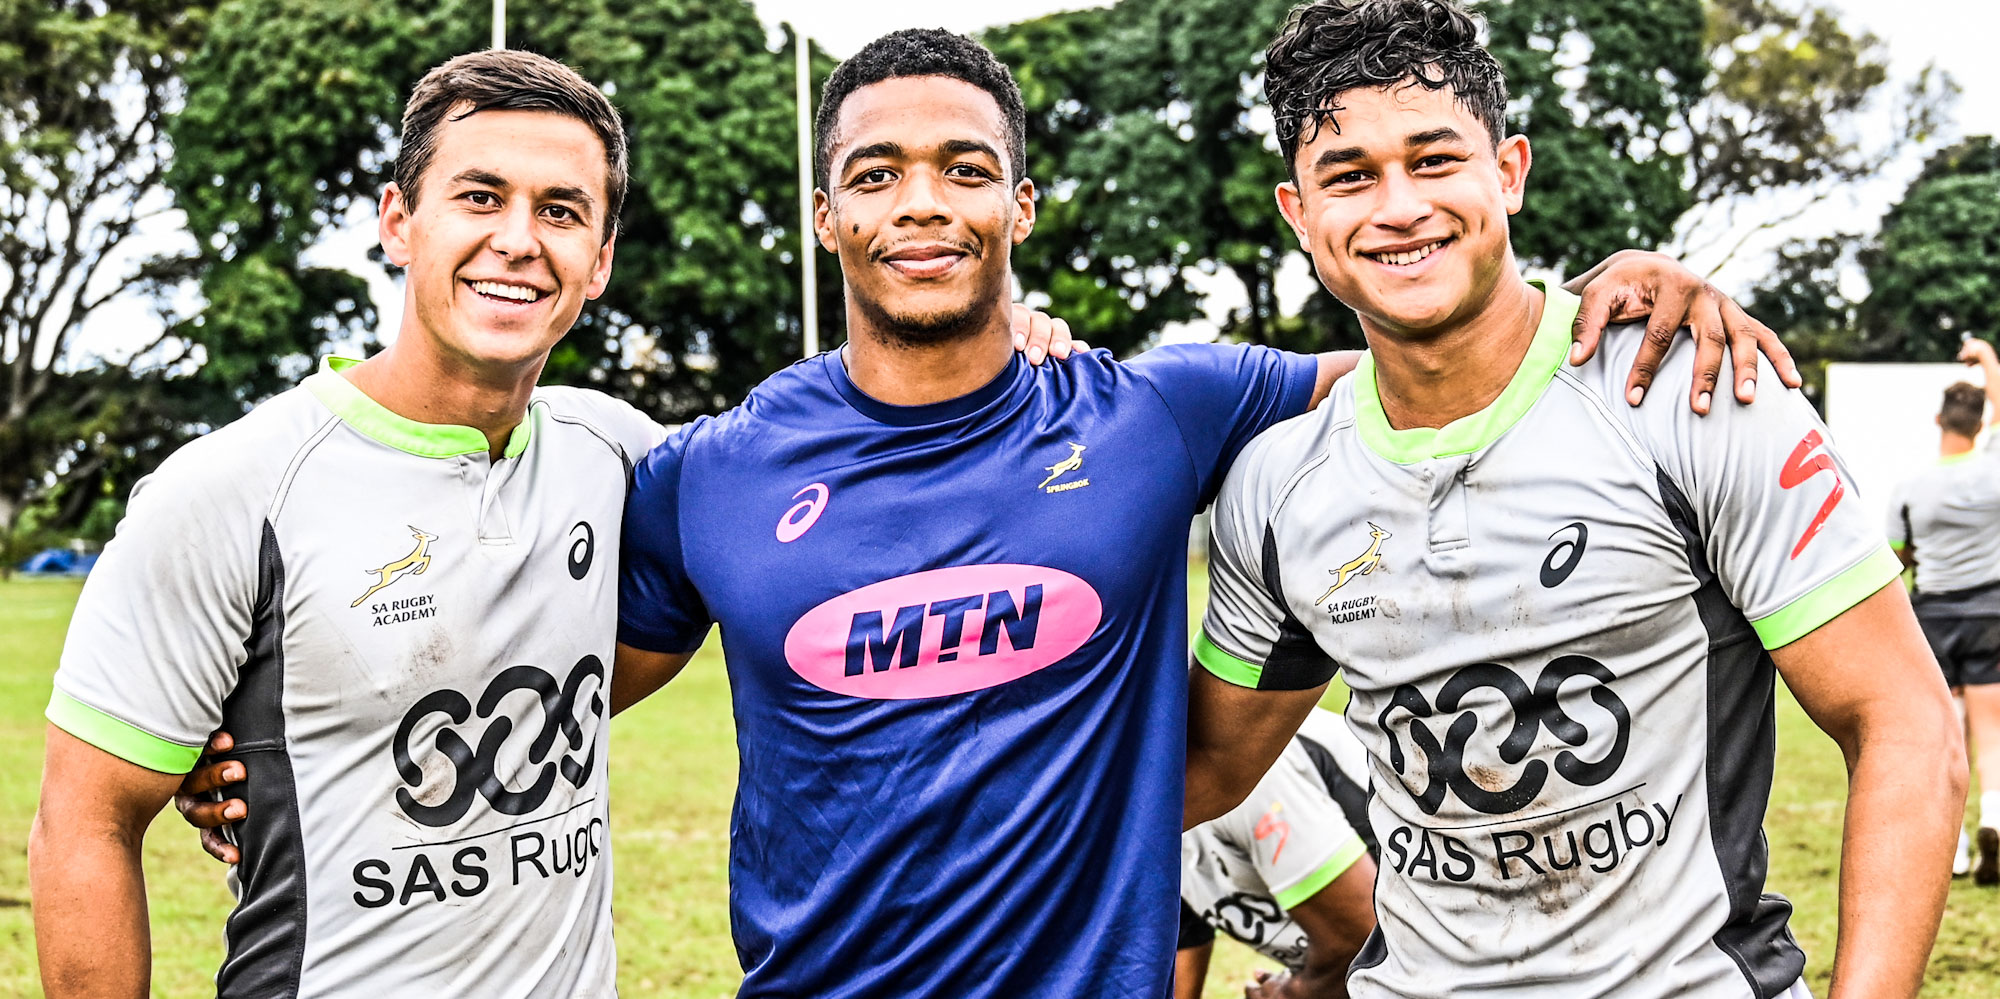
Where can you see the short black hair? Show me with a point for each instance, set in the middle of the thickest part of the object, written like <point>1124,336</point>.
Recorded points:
<point>1332,46</point>
<point>1964,409</point>
<point>508,80</point>
<point>922,52</point>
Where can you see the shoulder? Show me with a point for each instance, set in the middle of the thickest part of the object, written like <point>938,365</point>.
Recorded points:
<point>1208,363</point>
<point>615,422</point>
<point>243,465</point>
<point>1274,460</point>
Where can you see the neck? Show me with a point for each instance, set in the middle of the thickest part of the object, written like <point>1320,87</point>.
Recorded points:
<point>1953,443</point>
<point>416,381</point>
<point>1459,371</point>
<point>900,371</point>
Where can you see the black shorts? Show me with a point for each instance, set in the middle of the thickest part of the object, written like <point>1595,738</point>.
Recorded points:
<point>1967,645</point>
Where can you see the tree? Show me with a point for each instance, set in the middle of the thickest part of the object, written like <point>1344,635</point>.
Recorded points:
<point>83,90</point>
<point>1154,154</point>
<point>1783,113</point>
<point>1934,271</point>
<point>292,110</point>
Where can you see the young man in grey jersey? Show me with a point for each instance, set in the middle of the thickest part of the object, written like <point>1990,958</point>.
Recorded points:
<point>1946,523</point>
<point>1559,615</point>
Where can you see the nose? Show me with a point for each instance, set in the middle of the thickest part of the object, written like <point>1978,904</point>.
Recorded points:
<point>514,235</point>
<point>922,199</point>
<point>1401,201</point>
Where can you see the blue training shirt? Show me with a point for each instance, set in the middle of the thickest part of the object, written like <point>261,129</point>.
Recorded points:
<point>956,637</point>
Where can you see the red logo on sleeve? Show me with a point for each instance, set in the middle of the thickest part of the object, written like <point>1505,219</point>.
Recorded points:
<point>1809,459</point>
<point>1272,823</point>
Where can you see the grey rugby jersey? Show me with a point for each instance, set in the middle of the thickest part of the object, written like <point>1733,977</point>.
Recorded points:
<point>1301,828</point>
<point>412,646</point>
<point>1554,615</point>
<point>1950,513</point>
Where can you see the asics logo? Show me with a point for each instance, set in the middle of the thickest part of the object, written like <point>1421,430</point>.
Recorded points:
<point>803,514</point>
<point>1571,550</point>
<point>581,552</point>
<point>1532,710</point>
<point>476,770</point>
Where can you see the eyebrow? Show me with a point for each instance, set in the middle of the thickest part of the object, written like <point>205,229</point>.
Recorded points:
<point>971,146</point>
<point>873,150</point>
<point>561,192</point>
<point>1349,154</point>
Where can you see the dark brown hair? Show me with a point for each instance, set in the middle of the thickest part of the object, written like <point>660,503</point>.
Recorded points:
<point>1964,409</point>
<point>508,80</point>
<point>1332,46</point>
<point>922,52</point>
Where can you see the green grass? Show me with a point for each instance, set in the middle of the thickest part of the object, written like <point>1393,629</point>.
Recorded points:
<point>674,767</point>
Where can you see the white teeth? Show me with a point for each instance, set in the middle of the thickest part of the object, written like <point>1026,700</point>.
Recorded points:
<point>508,291</point>
<point>1408,257</point>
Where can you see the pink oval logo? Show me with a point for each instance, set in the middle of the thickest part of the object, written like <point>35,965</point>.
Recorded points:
<point>803,514</point>
<point>943,631</point>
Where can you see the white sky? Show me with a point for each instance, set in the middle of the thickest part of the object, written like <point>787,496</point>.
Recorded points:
<point>1954,33</point>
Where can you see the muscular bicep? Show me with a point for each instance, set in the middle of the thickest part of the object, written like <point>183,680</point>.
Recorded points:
<point>637,673</point>
<point>1868,672</point>
<point>89,791</point>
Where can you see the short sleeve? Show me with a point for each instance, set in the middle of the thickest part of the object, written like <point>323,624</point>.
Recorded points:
<point>160,630</point>
<point>1222,395</point>
<point>1293,831</point>
<point>659,609</point>
<point>1774,505</point>
<point>1248,636</point>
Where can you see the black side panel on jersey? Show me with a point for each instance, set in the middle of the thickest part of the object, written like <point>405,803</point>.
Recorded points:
<point>1351,796</point>
<point>1195,931</point>
<point>1297,662</point>
<point>267,932</point>
<point>1742,742</point>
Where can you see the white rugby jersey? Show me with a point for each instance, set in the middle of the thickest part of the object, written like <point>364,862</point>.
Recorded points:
<point>1554,615</point>
<point>1301,828</point>
<point>412,646</point>
<point>1951,513</point>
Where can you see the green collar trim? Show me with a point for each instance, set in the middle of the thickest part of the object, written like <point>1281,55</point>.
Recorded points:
<point>1474,431</point>
<point>372,419</point>
<point>1962,456</point>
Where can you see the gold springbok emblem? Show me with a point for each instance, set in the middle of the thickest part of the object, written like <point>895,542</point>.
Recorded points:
<point>1362,565</point>
<point>412,564</point>
<point>1065,466</point>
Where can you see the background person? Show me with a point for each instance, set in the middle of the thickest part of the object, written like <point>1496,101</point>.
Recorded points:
<point>1946,523</point>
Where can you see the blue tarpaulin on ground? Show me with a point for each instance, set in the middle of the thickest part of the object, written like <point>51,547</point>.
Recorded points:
<point>58,561</point>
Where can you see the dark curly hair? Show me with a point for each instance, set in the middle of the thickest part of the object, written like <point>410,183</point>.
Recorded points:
<point>922,52</point>
<point>1332,46</point>
<point>1964,409</point>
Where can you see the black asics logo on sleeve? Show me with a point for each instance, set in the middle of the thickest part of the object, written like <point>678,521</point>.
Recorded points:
<point>1570,551</point>
<point>581,552</point>
<point>1532,710</point>
<point>475,770</point>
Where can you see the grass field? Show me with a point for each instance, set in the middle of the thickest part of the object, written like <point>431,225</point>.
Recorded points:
<point>674,767</point>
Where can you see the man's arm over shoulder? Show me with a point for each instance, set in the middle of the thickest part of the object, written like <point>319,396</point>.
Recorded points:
<point>1258,671</point>
<point>662,618</point>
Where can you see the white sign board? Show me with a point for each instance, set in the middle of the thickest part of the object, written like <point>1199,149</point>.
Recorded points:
<point>1884,422</point>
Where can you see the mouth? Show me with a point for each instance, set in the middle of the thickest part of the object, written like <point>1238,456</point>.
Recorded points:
<point>925,262</point>
<point>506,292</point>
<point>1410,256</point>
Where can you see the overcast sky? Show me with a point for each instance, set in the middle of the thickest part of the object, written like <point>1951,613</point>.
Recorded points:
<point>1956,34</point>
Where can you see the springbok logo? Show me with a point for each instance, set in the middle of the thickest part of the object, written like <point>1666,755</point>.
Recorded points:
<point>412,564</point>
<point>1361,565</point>
<point>1064,467</point>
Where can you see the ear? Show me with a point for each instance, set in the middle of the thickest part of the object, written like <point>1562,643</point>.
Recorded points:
<point>1513,159</point>
<point>1024,210</point>
<point>601,274</point>
<point>394,227</point>
<point>823,222</point>
<point>1292,206</point>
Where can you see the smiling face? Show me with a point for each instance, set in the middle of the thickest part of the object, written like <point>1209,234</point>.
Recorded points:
<point>505,241</point>
<point>920,209</point>
<point>1404,209</point>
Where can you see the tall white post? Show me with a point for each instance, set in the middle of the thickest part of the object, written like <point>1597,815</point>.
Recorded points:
<point>499,24</point>
<point>808,282</point>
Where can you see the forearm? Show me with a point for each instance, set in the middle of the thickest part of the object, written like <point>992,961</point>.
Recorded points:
<point>91,933</point>
<point>1906,794</point>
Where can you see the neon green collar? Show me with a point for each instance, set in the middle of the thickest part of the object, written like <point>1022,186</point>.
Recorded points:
<point>1474,431</point>
<point>1953,459</point>
<point>372,419</point>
